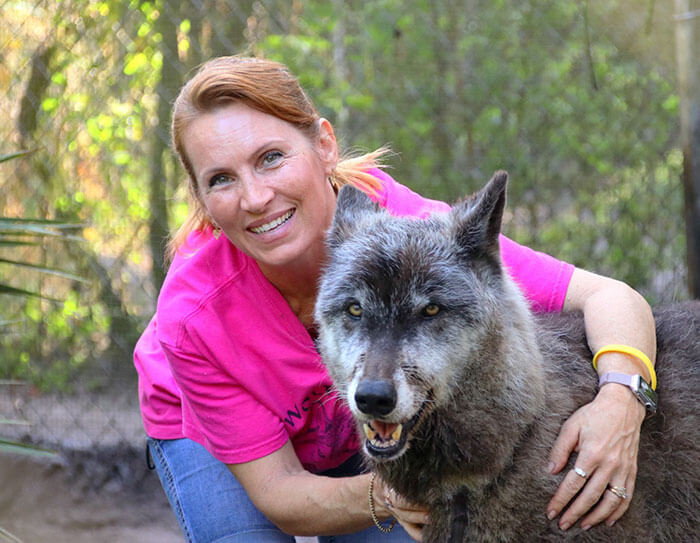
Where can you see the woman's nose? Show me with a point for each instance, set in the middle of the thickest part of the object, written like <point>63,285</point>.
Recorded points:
<point>256,194</point>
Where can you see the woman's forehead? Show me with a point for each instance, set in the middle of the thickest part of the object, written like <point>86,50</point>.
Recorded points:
<point>235,132</point>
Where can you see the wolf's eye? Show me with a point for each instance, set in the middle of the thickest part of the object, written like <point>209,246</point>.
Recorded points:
<point>355,309</point>
<point>431,310</point>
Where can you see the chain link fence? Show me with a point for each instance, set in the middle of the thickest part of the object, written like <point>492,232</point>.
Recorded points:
<point>580,107</point>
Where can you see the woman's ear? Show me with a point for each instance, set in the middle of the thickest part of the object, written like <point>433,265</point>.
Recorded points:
<point>327,145</point>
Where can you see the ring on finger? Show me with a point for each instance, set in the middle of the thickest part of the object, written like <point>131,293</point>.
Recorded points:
<point>581,473</point>
<point>619,491</point>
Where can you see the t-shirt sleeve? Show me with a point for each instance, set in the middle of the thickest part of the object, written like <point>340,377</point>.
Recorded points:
<point>220,414</point>
<point>159,396</point>
<point>401,201</point>
<point>542,278</point>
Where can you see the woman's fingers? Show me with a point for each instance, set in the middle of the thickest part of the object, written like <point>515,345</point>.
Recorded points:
<point>564,445</point>
<point>571,485</point>
<point>613,504</point>
<point>584,502</point>
<point>616,501</point>
<point>411,516</point>
<point>606,435</point>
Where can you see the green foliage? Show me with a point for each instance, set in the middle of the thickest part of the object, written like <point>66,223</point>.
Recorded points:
<point>585,127</point>
<point>20,232</point>
<point>17,233</point>
<point>575,99</point>
<point>27,238</point>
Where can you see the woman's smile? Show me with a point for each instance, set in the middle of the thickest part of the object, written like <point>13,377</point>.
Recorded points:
<point>258,228</point>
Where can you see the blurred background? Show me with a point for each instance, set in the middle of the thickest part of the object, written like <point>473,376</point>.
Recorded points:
<point>581,101</point>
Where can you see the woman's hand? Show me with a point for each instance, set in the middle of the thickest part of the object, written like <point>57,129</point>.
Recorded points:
<point>412,517</point>
<point>605,434</point>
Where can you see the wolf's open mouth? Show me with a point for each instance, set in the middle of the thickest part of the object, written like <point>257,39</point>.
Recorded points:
<point>386,440</point>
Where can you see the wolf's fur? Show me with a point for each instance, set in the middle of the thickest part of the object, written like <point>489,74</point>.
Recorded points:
<point>494,383</point>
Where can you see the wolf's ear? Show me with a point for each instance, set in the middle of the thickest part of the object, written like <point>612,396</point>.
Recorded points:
<point>352,207</point>
<point>478,219</point>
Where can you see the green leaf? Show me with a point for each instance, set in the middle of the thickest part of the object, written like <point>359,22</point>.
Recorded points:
<point>5,158</point>
<point>29,450</point>
<point>45,222</point>
<point>7,536</point>
<point>6,289</point>
<point>9,323</point>
<point>17,243</point>
<point>36,227</point>
<point>49,104</point>
<point>135,63</point>
<point>15,422</point>
<point>43,269</point>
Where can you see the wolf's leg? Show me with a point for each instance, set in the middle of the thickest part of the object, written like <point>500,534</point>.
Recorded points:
<point>444,526</point>
<point>460,517</point>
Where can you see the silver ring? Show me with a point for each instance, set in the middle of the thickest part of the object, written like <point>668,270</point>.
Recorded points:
<point>581,473</point>
<point>619,491</point>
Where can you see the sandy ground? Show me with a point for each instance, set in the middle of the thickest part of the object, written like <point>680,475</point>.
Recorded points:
<point>97,489</point>
<point>53,502</point>
<point>56,502</point>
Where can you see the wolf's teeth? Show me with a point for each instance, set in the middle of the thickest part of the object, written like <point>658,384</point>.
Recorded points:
<point>381,444</point>
<point>371,434</point>
<point>397,433</point>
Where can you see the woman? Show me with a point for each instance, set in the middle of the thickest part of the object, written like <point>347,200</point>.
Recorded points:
<point>228,371</point>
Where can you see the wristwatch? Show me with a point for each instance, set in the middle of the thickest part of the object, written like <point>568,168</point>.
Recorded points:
<point>636,383</point>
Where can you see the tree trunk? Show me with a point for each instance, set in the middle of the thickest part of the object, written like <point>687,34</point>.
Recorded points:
<point>167,86</point>
<point>687,46</point>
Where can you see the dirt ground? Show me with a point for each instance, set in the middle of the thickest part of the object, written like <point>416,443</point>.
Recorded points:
<point>97,489</point>
<point>53,502</point>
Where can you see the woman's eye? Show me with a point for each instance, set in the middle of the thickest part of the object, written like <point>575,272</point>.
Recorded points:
<point>354,309</point>
<point>431,310</point>
<point>271,158</point>
<point>219,179</point>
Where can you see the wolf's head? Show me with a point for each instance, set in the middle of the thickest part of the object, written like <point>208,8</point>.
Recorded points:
<point>412,311</point>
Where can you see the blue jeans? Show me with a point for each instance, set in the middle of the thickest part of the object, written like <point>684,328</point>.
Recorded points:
<point>212,507</point>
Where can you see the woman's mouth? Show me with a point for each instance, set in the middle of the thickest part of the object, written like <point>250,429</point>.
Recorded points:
<point>268,226</point>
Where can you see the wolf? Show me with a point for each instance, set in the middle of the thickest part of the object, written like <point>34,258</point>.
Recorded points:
<point>459,391</point>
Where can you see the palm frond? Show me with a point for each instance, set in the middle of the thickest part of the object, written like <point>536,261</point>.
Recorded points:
<point>44,269</point>
<point>5,158</point>
<point>18,243</point>
<point>7,536</point>
<point>6,289</point>
<point>8,446</point>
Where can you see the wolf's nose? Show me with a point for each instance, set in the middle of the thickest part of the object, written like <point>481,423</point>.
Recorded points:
<point>377,398</point>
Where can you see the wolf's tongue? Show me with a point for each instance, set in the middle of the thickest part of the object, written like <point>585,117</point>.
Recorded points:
<point>384,429</point>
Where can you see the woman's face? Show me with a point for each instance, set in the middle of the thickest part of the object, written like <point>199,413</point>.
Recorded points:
<point>263,181</point>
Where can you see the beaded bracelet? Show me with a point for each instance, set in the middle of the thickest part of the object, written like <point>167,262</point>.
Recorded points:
<point>631,351</point>
<point>373,513</point>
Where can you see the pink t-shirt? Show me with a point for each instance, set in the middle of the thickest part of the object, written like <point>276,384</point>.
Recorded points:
<point>225,361</point>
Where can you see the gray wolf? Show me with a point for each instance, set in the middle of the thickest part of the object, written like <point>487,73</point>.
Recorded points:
<point>459,391</point>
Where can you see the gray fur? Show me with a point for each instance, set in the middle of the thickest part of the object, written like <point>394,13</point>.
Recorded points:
<point>494,383</point>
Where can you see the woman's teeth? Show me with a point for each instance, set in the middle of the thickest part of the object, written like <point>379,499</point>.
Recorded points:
<point>272,224</point>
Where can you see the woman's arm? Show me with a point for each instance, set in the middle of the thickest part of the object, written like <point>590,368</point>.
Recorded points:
<point>301,503</point>
<point>605,433</point>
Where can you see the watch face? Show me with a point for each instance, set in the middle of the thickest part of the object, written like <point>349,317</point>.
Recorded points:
<point>636,383</point>
<point>646,395</point>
